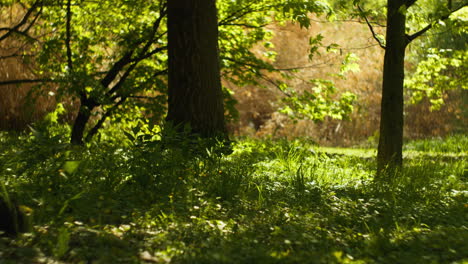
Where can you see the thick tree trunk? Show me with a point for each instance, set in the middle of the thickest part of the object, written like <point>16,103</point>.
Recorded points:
<point>391,123</point>
<point>195,95</point>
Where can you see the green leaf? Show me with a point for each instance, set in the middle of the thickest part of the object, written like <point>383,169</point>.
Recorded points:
<point>71,166</point>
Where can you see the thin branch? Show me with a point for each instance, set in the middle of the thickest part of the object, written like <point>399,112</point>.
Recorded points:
<point>262,67</point>
<point>127,58</point>
<point>16,31</point>
<point>245,25</point>
<point>36,17</point>
<point>68,37</point>
<point>156,25</point>
<point>24,20</point>
<point>235,15</point>
<point>148,54</point>
<point>430,25</point>
<point>264,77</point>
<point>374,35</point>
<point>143,97</point>
<point>101,121</point>
<point>348,21</point>
<point>158,73</point>
<point>14,55</point>
<point>121,81</point>
<point>23,81</point>
<point>311,66</point>
<point>124,78</point>
<point>284,68</point>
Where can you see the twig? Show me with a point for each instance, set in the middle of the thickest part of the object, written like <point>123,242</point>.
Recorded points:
<point>22,81</point>
<point>374,35</point>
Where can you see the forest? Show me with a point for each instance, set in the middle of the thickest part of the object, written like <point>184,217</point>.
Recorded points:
<point>233,131</point>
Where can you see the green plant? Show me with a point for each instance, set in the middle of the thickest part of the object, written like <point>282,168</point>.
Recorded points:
<point>266,202</point>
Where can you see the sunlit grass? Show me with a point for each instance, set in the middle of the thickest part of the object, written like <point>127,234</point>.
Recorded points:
<point>267,202</point>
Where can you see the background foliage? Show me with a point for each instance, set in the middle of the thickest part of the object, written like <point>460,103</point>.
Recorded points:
<point>259,48</point>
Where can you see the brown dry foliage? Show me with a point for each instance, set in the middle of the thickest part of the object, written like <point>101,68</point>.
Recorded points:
<point>17,106</point>
<point>258,107</point>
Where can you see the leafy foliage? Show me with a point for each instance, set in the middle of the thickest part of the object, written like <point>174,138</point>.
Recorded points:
<point>113,60</point>
<point>441,71</point>
<point>441,60</point>
<point>299,104</point>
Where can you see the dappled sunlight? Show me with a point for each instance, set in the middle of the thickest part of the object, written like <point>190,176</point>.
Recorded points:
<point>266,202</point>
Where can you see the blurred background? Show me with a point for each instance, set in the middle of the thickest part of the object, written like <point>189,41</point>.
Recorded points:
<point>259,105</point>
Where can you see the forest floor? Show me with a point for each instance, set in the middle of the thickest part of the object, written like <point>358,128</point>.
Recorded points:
<point>266,202</point>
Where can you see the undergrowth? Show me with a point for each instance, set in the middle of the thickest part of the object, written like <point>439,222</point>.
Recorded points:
<point>266,202</point>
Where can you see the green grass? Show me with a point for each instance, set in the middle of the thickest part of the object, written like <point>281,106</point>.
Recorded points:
<point>267,202</point>
<point>453,144</point>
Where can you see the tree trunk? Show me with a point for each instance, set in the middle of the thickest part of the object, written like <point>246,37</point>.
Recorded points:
<point>195,95</point>
<point>391,118</point>
<point>84,113</point>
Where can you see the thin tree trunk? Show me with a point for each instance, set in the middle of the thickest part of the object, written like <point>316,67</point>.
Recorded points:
<point>389,154</point>
<point>195,95</point>
<point>84,114</point>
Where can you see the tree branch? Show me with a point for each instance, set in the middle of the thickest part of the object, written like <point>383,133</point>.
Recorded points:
<point>122,79</point>
<point>101,121</point>
<point>148,54</point>
<point>127,58</point>
<point>235,15</point>
<point>241,12</point>
<point>268,79</point>
<point>154,30</point>
<point>23,81</point>
<point>348,21</point>
<point>68,37</point>
<point>284,69</point>
<point>24,20</point>
<point>244,25</point>
<point>430,25</point>
<point>374,35</point>
<point>143,97</point>
<point>410,3</point>
<point>116,68</point>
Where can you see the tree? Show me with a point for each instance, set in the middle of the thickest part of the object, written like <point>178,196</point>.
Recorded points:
<point>110,61</point>
<point>389,155</point>
<point>195,95</point>
<point>110,89</point>
<point>98,57</point>
<point>391,115</point>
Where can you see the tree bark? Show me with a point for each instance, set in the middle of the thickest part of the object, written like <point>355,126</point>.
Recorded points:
<point>84,114</point>
<point>389,154</point>
<point>195,95</point>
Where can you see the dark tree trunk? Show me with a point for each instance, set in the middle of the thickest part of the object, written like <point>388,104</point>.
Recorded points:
<point>195,95</point>
<point>391,123</point>
<point>84,113</point>
<point>14,218</point>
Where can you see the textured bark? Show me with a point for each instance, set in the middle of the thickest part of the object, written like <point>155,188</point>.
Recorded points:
<point>195,95</point>
<point>389,154</point>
